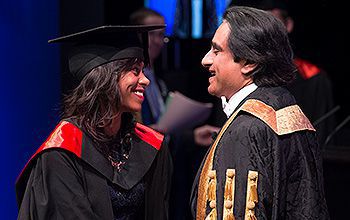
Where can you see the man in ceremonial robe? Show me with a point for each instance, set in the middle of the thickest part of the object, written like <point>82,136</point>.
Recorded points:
<point>265,162</point>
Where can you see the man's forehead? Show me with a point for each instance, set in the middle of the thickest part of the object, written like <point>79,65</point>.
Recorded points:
<point>221,35</point>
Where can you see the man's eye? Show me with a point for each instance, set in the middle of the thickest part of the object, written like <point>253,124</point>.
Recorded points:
<point>136,70</point>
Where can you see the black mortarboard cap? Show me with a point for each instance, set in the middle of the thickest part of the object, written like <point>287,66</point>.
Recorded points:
<point>101,45</point>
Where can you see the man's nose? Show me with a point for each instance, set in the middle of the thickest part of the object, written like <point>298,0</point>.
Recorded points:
<point>207,59</point>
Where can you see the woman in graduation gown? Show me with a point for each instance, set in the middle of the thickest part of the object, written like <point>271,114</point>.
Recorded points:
<point>98,163</point>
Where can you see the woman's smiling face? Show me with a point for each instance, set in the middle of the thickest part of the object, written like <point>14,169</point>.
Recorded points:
<point>132,86</point>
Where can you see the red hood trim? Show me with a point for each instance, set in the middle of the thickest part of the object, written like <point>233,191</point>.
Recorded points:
<point>65,136</point>
<point>306,69</point>
<point>149,135</point>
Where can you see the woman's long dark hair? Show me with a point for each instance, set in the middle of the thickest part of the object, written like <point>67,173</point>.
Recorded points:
<point>96,101</point>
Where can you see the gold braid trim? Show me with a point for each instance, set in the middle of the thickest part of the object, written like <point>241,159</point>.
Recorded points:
<point>229,195</point>
<point>252,195</point>
<point>212,186</point>
<point>283,121</point>
<point>212,195</point>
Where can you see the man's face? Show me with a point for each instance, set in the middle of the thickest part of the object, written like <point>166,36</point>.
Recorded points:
<point>156,37</point>
<point>226,75</point>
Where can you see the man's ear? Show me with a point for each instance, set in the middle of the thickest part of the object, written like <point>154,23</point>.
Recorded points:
<point>248,68</point>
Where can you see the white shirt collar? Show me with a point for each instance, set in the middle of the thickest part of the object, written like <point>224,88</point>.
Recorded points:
<point>234,101</point>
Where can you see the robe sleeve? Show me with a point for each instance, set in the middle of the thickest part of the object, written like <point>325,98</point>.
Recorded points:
<point>304,178</point>
<point>56,189</point>
<point>295,178</point>
<point>157,197</point>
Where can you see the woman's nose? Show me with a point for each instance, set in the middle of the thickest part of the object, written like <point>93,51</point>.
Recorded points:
<point>143,80</point>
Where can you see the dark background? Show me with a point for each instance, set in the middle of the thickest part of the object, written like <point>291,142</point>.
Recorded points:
<point>319,36</point>
<point>31,81</point>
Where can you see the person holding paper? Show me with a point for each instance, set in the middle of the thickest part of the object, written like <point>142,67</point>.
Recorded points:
<point>265,163</point>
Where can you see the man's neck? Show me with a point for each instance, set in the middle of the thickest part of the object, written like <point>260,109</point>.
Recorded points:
<point>230,105</point>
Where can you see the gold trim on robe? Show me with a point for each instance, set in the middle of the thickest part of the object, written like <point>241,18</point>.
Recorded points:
<point>212,195</point>
<point>202,197</point>
<point>252,195</point>
<point>229,195</point>
<point>283,121</point>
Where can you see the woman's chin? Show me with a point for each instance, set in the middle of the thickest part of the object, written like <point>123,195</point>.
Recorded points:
<point>135,109</point>
<point>132,109</point>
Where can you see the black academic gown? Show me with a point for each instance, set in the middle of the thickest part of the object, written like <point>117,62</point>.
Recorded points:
<point>289,166</point>
<point>67,178</point>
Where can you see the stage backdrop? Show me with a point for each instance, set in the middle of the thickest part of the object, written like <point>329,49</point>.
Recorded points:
<point>29,87</point>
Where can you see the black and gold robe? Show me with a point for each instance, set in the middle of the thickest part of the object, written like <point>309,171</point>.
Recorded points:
<point>264,164</point>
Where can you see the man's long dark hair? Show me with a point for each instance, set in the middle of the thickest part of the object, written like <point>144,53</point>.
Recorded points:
<point>257,37</point>
<point>96,101</point>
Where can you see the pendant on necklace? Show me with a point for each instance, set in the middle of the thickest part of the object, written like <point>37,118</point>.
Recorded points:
<point>116,164</point>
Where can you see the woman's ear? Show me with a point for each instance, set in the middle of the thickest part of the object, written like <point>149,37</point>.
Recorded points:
<point>248,68</point>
